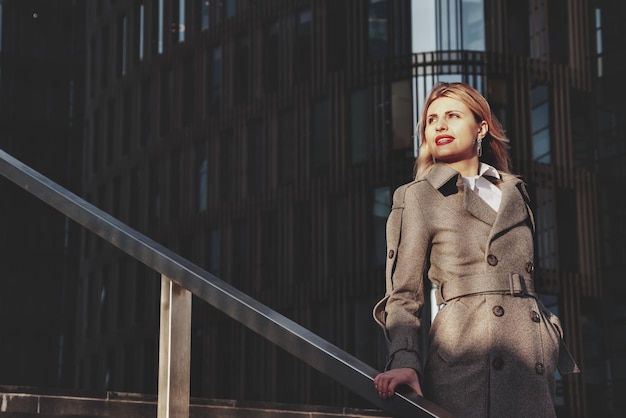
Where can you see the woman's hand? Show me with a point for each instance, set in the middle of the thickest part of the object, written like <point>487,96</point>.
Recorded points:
<point>387,382</point>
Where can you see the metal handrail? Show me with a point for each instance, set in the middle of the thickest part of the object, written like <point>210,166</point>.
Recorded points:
<point>280,330</point>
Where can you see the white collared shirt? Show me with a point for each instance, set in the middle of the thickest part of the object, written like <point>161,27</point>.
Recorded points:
<point>485,189</point>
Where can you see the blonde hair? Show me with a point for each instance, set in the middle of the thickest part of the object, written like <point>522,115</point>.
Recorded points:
<point>495,144</point>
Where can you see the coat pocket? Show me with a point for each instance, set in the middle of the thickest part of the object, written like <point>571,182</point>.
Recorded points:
<point>449,331</point>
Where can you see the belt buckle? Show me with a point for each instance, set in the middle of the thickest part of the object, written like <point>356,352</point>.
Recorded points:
<point>515,278</point>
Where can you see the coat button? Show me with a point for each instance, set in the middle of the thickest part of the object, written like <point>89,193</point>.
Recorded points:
<point>497,363</point>
<point>540,368</point>
<point>498,310</point>
<point>492,260</point>
<point>535,316</point>
<point>530,267</point>
<point>391,253</point>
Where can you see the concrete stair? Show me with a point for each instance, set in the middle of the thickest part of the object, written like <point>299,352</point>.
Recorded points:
<point>26,402</point>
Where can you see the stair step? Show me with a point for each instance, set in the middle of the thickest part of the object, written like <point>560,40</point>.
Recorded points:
<point>20,402</point>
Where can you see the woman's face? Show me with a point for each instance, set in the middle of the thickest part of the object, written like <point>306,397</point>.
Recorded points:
<point>451,131</point>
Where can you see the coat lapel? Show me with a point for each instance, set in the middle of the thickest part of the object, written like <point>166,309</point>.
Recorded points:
<point>477,206</point>
<point>442,177</point>
<point>513,209</point>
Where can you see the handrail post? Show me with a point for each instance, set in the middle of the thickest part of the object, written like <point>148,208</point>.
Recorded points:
<point>174,350</point>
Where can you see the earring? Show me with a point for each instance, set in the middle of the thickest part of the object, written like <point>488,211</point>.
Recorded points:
<point>479,146</point>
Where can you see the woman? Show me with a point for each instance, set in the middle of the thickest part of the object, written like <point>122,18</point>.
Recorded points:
<point>466,225</point>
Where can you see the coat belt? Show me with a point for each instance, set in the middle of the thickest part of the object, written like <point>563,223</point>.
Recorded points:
<point>515,284</point>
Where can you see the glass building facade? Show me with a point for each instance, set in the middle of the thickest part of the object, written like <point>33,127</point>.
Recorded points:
<point>41,95</point>
<point>262,140</point>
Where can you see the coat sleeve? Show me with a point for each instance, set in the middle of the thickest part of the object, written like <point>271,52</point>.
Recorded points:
<point>398,313</point>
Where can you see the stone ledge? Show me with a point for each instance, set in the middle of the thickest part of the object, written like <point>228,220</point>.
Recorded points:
<point>35,402</point>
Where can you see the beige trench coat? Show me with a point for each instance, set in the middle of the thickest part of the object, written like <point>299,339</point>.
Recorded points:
<point>494,347</point>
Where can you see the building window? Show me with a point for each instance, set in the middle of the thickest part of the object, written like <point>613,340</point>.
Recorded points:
<point>599,62</point>
<point>498,98</point>
<point>538,31</point>
<point>175,185</point>
<point>96,143</point>
<point>448,22</point>
<point>145,111</point>
<point>92,66</point>
<point>127,117</point>
<point>473,21</point>
<point>377,29</point>
<point>154,193</point>
<point>240,254</point>
<point>270,57</point>
<point>87,296</point>
<point>166,101</point>
<point>287,148</point>
<point>140,28</point>
<point>123,291</point>
<point>189,90</point>
<point>179,25</point>
<point>122,45</point>
<point>540,119</point>
<point>204,14</point>
<point>269,241</point>
<point>401,115</point>
<point>255,155</point>
<point>116,198</point>
<point>130,360</point>
<point>229,8</point>
<point>338,233</point>
<point>157,27</point>
<point>214,77</point>
<point>227,168</point>
<point>460,25</point>
<point>105,300</point>
<point>423,23</point>
<point>545,228</point>
<point>320,136</point>
<point>336,35</point>
<point>568,239</point>
<point>302,48</point>
<point>1,21</point>
<point>302,238</point>
<point>609,126</point>
<point>71,108</point>
<point>380,212</point>
<point>241,76</point>
<point>214,251</point>
<point>202,175</point>
<point>359,129</point>
<point>111,132</point>
<point>133,206</point>
<point>104,57</point>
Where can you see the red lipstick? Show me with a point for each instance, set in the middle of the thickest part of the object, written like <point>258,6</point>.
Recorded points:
<point>443,139</point>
